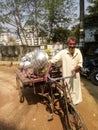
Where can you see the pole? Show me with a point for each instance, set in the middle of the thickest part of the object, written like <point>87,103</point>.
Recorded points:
<point>82,40</point>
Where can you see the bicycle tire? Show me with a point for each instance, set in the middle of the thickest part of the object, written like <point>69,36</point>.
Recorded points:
<point>73,119</point>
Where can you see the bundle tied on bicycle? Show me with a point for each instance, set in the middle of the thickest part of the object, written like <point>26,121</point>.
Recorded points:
<point>34,63</point>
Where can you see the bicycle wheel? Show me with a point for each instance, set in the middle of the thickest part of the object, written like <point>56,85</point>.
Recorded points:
<point>73,119</point>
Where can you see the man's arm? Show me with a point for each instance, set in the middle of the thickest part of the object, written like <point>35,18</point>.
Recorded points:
<point>48,69</point>
<point>80,63</point>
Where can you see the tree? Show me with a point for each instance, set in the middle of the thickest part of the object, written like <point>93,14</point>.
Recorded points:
<point>60,35</point>
<point>93,8</point>
<point>12,17</point>
<point>43,15</point>
<point>34,7</point>
<point>58,13</point>
<point>76,31</point>
<point>91,19</point>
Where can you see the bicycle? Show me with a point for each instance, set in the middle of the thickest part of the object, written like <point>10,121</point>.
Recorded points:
<point>60,97</point>
<point>57,98</point>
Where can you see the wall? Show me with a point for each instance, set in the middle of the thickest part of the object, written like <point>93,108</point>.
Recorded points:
<point>14,53</point>
<point>89,34</point>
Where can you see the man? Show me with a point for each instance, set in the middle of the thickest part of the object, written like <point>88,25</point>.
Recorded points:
<point>72,60</point>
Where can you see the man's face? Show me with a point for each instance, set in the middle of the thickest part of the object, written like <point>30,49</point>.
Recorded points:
<point>71,46</point>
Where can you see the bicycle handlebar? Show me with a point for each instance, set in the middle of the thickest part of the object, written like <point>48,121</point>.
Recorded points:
<point>60,78</point>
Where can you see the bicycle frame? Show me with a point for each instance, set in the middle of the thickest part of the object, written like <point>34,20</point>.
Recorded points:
<point>54,92</point>
<point>64,93</point>
<point>67,107</point>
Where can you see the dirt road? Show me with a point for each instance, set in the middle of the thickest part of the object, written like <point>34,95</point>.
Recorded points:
<point>32,114</point>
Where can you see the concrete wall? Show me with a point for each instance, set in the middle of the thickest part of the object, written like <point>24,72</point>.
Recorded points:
<point>14,53</point>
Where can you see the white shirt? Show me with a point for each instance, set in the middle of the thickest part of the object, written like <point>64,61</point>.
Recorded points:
<point>69,62</point>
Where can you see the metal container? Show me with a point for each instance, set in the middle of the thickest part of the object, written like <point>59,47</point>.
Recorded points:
<point>37,60</point>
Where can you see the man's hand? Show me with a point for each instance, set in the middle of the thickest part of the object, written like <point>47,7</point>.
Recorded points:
<point>73,73</point>
<point>46,77</point>
<point>75,70</point>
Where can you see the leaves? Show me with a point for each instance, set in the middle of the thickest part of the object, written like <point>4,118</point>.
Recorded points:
<point>93,8</point>
<point>43,15</point>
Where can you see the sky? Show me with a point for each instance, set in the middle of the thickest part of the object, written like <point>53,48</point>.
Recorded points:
<point>86,4</point>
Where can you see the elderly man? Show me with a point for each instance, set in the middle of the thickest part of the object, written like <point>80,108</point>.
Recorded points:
<point>72,60</point>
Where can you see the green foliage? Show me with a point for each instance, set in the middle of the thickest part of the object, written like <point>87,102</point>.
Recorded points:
<point>91,20</point>
<point>93,8</point>
<point>43,15</point>
<point>75,31</point>
<point>59,13</point>
<point>60,35</point>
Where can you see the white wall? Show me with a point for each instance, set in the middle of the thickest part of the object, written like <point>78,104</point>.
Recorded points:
<point>89,34</point>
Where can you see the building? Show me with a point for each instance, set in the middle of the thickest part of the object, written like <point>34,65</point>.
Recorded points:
<point>31,37</point>
<point>91,28</point>
<point>91,33</point>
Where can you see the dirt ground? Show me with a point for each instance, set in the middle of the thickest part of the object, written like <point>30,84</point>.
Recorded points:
<point>32,114</point>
